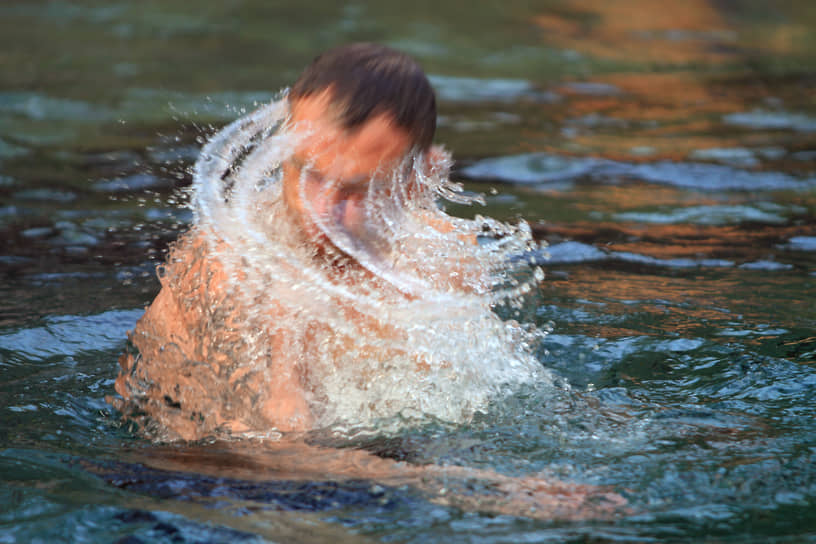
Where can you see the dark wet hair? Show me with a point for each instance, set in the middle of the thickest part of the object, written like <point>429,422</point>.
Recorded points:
<point>368,79</point>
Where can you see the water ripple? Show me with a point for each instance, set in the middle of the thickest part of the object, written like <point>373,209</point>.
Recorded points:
<point>68,336</point>
<point>544,168</point>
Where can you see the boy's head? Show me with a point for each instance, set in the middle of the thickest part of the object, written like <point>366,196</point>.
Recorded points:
<point>366,80</point>
<point>362,109</point>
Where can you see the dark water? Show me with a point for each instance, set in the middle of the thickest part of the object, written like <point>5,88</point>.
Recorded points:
<point>666,153</point>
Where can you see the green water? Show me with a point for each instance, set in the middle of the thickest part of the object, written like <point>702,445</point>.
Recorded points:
<point>667,154</point>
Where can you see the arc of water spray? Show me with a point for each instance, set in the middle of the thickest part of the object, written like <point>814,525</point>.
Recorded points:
<point>217,163</point>
<point>234,162</point>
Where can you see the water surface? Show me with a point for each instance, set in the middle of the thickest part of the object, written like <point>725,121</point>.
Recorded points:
<point>668,156</point>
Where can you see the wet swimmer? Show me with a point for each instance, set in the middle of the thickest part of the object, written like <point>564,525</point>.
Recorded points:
<point>322,285</point>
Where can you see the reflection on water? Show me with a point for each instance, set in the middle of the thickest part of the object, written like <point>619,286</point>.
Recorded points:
<point>666,153</point>
<point>642,31</point>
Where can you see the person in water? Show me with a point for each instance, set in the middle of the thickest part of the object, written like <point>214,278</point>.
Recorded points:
<point>360,112</point>
<point>226,351</point>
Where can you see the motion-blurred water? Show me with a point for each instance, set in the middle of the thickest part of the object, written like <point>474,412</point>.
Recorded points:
<point>667,154</point>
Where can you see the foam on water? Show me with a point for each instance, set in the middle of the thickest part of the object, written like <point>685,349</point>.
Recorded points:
<point>393,317</point>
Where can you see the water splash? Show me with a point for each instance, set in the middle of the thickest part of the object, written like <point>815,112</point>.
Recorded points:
<point>387,318</point>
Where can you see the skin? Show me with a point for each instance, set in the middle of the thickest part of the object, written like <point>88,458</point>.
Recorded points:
<point>351,158</point>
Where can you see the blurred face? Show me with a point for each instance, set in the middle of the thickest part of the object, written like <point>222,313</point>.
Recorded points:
<point>331,168</point>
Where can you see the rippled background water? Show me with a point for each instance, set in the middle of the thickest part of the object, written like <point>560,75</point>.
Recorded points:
<point>666,152</point>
